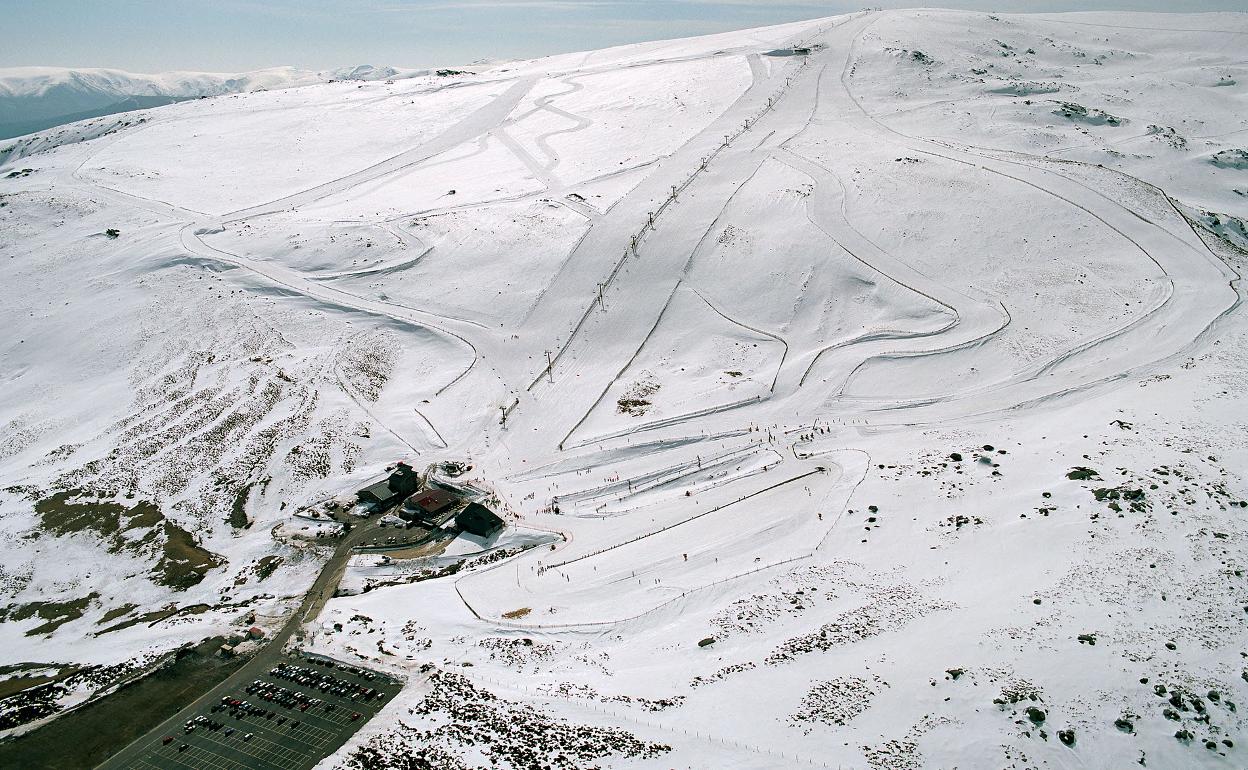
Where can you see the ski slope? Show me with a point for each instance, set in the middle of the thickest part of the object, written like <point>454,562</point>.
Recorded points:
<point>875,406</point>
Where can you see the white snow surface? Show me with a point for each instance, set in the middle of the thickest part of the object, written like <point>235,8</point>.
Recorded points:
<point>843,407</point>
<point>36,81</point>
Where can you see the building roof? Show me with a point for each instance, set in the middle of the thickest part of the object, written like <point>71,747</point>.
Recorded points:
<point>478,520</point>
<point>403,480</point>
<point>432,501</point>
<point>380,490</point>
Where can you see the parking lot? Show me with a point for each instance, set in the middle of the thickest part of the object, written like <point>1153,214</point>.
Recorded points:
<point>290,719</point>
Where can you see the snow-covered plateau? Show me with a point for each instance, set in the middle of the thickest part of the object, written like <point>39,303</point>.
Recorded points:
<point>866,392</point>
<point>35,98</point>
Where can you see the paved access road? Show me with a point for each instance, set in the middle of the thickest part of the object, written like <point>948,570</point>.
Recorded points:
<point>258,667</point>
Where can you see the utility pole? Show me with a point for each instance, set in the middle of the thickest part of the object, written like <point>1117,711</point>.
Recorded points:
<point>673,192</point>
<point>651,220</point>
<point>504,411</point>
<point>601,304</point>
<point>634,246</point>
<point>550,367</point>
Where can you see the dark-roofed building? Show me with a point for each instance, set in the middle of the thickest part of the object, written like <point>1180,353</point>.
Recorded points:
<point>405,480</point>
<point>386,494</point>
<point>379,496</point>
<point>478,520</point>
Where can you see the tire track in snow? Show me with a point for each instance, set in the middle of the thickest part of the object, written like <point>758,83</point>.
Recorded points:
<point>1186,323</point>
<point>479,122</point>
<point>973,320</point>
<point>333,297</point>
<point>581,122</point>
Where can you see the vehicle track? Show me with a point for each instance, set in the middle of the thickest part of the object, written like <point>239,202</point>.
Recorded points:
<point>1195,315</point>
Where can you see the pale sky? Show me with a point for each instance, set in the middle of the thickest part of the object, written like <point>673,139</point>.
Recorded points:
<point>239,35</point>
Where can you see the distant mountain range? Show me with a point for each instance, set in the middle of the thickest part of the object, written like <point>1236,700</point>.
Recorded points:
<point>36,98</point>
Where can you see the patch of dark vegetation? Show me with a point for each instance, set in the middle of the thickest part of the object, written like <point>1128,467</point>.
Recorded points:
<point>1234,158</point>
<point>1168,135</point>
<point>636,400</point>
<point>367,364</point>
<point>958,521</point>
<point>183,563</point>
<point>916,56</point>
<point>1080,114</point>
<point>1117,496</point>
<point>1017,691</point>
<point>1204,717</point>
<point>1082,474</point>
<point>888,608</point>
<point>86,736</point>
<point>504,733</point>
<point>238,511</point>
<point>42,695</point>
<point>834,702</point>
<point>117,612</point>
<point>76,510</point>
<point>55,614</point>
<point>155,616</point>
<point>267,565</point>
<point>24,676</point>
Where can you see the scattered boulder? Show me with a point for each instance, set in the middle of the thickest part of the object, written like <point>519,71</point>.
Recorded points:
<point>1080,114</point>
<point>1234,158</point>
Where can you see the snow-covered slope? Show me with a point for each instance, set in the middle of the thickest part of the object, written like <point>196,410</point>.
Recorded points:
<point>880,406</point>
<point>36,98</point>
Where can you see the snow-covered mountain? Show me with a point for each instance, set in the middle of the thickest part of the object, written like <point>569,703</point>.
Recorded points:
<point>861,392</point>
<point>36,98</point>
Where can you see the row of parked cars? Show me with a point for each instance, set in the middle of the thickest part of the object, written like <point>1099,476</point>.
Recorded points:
<point>362,673</point>
<point>204,722</point>
<point>326,682</point>
<point>241,709</point>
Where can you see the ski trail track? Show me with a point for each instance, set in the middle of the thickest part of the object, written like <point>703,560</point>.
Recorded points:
<point>479,122</point>
<point>663,253</point>
<point>593,347</point>
<point>1197,286</point>
<point>1177,317</point>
